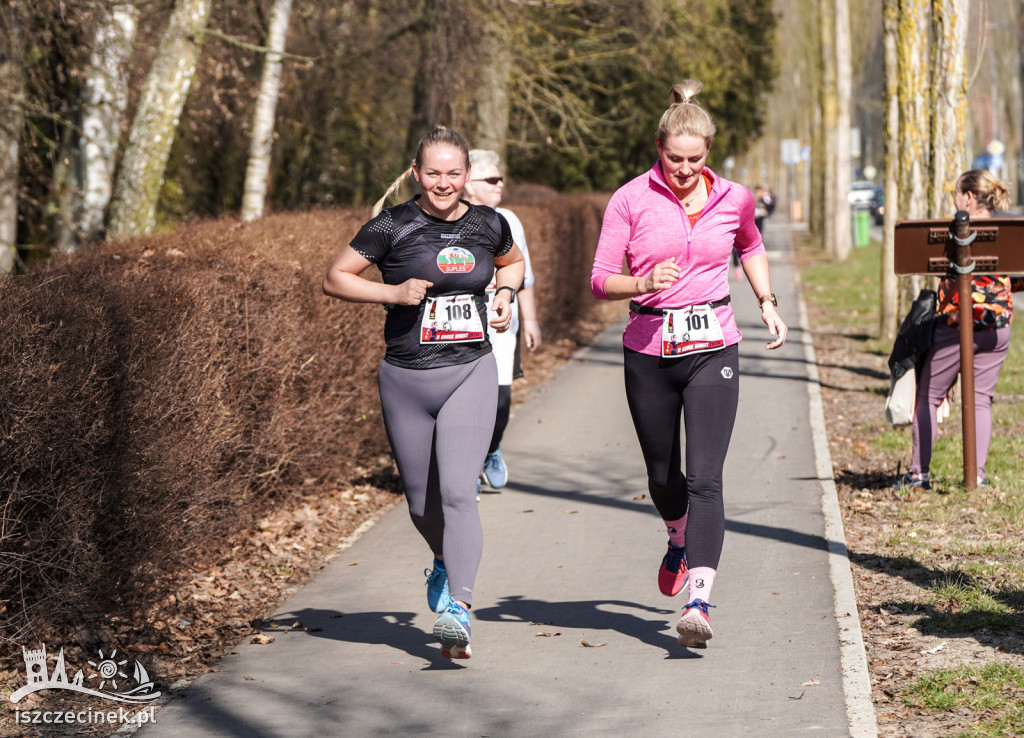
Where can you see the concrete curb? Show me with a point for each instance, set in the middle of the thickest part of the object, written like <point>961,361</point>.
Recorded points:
<point>856,679</point>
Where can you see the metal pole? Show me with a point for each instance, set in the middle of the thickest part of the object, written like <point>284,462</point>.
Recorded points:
<point>964,266</point>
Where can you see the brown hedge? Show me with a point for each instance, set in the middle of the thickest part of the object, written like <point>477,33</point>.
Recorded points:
<point>160,394</point>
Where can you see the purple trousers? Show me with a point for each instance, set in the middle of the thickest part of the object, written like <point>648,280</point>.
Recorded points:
<point>941,366</point>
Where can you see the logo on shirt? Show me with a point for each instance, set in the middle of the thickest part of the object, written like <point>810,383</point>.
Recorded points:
<point>455,260</point>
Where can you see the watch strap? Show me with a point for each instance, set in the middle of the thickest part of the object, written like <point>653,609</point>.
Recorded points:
<point>510,289</point>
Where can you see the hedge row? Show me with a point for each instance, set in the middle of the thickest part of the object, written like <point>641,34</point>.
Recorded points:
<point>161,394</point>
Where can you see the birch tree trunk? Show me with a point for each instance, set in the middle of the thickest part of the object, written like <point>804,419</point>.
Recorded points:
<point>105,100</point>
<point>11,121</point>
<point>495,68</point>
<point>255,193</point>
<point>139,182</point>
<point>844,90</point>
<point>948,102</point>
<point>889,309</point>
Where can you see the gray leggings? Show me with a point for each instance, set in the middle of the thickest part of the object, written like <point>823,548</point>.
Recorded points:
<point>439,422</point>
<point>941,366</point>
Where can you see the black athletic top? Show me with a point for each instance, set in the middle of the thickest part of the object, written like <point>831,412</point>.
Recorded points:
<point>456,255</point>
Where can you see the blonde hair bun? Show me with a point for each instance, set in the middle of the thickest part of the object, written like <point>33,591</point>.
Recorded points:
<point>685,91</point>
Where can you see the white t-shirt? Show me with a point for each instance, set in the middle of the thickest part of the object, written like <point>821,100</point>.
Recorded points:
<point>504,344</point>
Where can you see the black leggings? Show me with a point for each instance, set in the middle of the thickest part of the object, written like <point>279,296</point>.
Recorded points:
<point>703,389</point>
<point>504,412</point>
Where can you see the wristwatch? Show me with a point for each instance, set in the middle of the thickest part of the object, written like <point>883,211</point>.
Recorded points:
<point>510,289</point>
<point>770,297</point>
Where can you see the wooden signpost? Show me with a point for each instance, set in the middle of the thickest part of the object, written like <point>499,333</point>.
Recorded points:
<point>940,248</point>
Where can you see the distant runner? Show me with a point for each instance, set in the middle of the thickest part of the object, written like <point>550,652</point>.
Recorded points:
<point>438,385</point>
<point>486,187</point>
<point>676,225</point>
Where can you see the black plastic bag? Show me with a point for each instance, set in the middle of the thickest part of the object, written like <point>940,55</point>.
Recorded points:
<point>915,335</point>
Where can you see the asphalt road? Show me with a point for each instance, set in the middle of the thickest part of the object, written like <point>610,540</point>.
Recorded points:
<point>570,633</point>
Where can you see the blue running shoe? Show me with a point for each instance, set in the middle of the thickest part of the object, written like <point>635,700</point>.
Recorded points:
<point>452,631</point>
<point>694,627</point>
<point>495,471</point>
<point>437,586</point>
<point>673,574</point>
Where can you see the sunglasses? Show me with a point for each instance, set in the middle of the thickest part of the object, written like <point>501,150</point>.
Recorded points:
<point>490,180</point>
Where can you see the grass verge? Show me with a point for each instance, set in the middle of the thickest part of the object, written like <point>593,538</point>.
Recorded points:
<point>939,574</point>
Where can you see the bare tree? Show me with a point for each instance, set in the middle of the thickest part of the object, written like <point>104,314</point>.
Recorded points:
<point>255,192</point>
<point>889,307</point>
<point>104,101</point>
<point>841,224</point>
<point>11,121</point>
<point>495,70</point>
<point>133,210</point>
<point>829,128</point>
<point>948,102</point>
<point>914,86</point>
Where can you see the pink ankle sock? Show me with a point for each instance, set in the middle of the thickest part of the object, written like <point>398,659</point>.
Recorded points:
<point>701,580</point>
<point>677,531</point>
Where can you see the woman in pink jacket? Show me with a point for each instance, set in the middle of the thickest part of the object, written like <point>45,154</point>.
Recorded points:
<point>676,226</point>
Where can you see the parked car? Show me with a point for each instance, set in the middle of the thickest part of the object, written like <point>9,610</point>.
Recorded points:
<point>861,194</point>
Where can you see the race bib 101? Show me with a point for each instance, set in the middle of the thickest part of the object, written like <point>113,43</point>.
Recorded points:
<point>690,330</point>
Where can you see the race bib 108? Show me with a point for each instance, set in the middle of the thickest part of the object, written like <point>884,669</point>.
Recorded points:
<point>451,319</point>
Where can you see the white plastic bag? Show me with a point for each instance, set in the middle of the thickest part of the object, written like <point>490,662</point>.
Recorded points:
<point>899,405</point>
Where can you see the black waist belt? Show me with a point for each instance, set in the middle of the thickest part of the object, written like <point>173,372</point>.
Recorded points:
<point>636,307</point>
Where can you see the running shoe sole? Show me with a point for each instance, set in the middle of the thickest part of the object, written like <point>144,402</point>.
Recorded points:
<point>693,629</point>
<point>453,637</point>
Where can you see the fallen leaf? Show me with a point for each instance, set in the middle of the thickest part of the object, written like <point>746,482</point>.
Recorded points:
<point>800,697</point>
<point>591,645</point>
<point>528,511</point>
<point>548,634</point>
<point>571,512</point>
<point>354,563</point>
<point>639,497</point>
<point>811,683</point>
<point>936,649</point>
<point>262,639</point>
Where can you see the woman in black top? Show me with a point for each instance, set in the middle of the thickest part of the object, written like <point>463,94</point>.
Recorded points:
<point>438,380</point>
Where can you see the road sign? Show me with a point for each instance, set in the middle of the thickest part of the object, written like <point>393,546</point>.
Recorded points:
<point>924,246</point>
<point>790,150</point>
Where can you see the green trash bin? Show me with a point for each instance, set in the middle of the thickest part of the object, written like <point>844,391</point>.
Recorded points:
<point>861,226</point>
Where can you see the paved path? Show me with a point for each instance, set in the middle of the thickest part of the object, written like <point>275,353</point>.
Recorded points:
<point>572,547</point>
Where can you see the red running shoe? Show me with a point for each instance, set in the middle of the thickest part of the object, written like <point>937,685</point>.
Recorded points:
<point>694,627</point>
<point>672,576</point>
